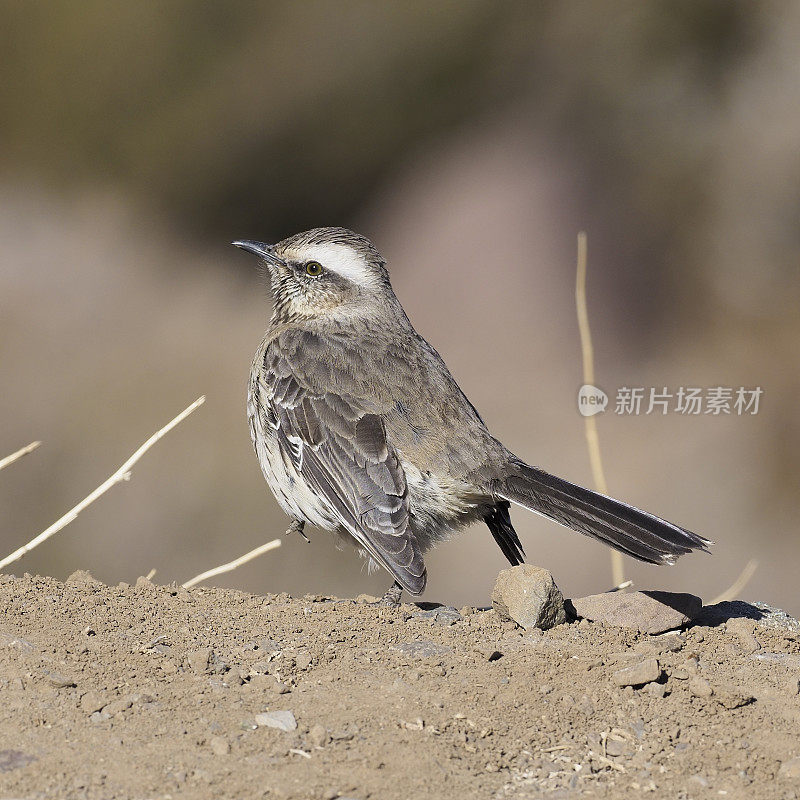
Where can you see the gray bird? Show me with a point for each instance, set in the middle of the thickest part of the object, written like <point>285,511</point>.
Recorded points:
<point>360,428</point>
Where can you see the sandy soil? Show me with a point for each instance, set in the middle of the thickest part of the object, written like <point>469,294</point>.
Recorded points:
<point>153,692</point>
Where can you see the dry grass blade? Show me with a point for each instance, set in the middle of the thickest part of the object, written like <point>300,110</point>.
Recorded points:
<point>232,565</point>
<point>590,424</point>
<point>734,590</point>
<point>29,448</point>
<point>122,474</point>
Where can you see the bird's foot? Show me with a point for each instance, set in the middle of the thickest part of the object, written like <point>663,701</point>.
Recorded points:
<point>391,599</point>
<point>297,527</point>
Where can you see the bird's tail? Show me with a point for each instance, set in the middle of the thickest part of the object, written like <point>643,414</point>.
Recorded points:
<point>623,527</point>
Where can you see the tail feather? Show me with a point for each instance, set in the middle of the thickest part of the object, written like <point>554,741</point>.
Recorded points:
<point>619,525</point>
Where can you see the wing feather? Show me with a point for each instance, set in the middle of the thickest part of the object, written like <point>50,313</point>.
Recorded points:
<point>341,450</point>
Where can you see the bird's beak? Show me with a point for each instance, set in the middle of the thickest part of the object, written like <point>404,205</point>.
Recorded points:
<point>260,249</point>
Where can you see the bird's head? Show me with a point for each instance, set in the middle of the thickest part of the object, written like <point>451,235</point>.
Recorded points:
<point>324,272</point>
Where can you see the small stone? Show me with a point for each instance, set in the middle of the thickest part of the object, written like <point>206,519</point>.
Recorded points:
<point>83,576</point>
<point>168,667</point>
<point>616,746</point>
<point>656,689</point>
<point>528,596</point>
<point>639,674</point>
<point>282,720</point>
<point>13,759</point>
<point>318,736</point>
<point>698,782</point>
<point>732,700</point>
<point>303,661</point>
<point>421,649</point>
<point>143,582</point>
<point>200,660</point>
<point>219,746</point>
<point>648,612</point>
<point>441,615</point>
<point>700,687</point>
<point>91,702</point>
<point>117,706</point>
<point>57,679</point>
<point>790,768</point>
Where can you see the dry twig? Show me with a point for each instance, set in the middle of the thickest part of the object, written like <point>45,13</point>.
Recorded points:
<point>590,424</point>
<point>29,448</point>
<point>733,591</point>
<point>232,565</point>
<point>122,474</point>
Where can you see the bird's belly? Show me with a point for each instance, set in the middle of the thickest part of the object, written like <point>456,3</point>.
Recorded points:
<point>439,506</point>
<point>290,488</point>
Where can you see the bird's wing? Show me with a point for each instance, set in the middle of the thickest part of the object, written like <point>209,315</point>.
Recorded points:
<point>341,451</point>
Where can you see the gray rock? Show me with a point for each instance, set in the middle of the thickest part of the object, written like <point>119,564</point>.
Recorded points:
<point>282,720</point>
<point>528,596</point>
<point>13,759</point>
<point>788,660</point>
<point>57,679</point>
<point>764,615</point>
<point>648,612</point>
<point>9,640</point>
<point>421,649</point>
<point>639,674</point>
<point>441,615</point>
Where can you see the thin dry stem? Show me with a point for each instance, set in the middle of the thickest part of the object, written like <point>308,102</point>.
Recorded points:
<point>122,474</point>
<point>8,460</point>
<point>232,565</point>
<point>590,424</point>
<point>734,590</point>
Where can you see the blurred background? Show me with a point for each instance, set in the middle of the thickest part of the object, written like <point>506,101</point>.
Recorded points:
<point>471,141</point>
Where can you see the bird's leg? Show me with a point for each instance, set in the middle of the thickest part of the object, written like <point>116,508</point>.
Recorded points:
<point>297,527</point>
<point>391,597</point>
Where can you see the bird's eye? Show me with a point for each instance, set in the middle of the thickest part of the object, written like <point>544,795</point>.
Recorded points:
<point>314,269</point>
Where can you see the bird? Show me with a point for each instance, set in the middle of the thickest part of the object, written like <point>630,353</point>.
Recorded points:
<point>360,429</point>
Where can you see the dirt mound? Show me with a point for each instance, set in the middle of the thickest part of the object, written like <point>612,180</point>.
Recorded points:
<point>153,692</point>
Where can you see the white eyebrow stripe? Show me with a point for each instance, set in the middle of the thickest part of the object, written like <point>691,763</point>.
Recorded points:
<point>341,259</point>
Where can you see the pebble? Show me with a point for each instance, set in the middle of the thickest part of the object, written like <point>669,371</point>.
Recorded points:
<point>91,702</point>
<point>656,689</point>
<point>421,649</point>
<point>219,746</point>
<point>790,768</point>
<point>650,612</point>
<point>57,679</point>
<point>199,660</point>
<point>282,720</point>
<point>639,674</point>
<point>528,596</point>
<point>441,615</point>
<point>303,660</point>
<point>116,706</point>
<point>318,736</point>
<point>700,687</point>
<point>616,746</point>
<point>13,759</point>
